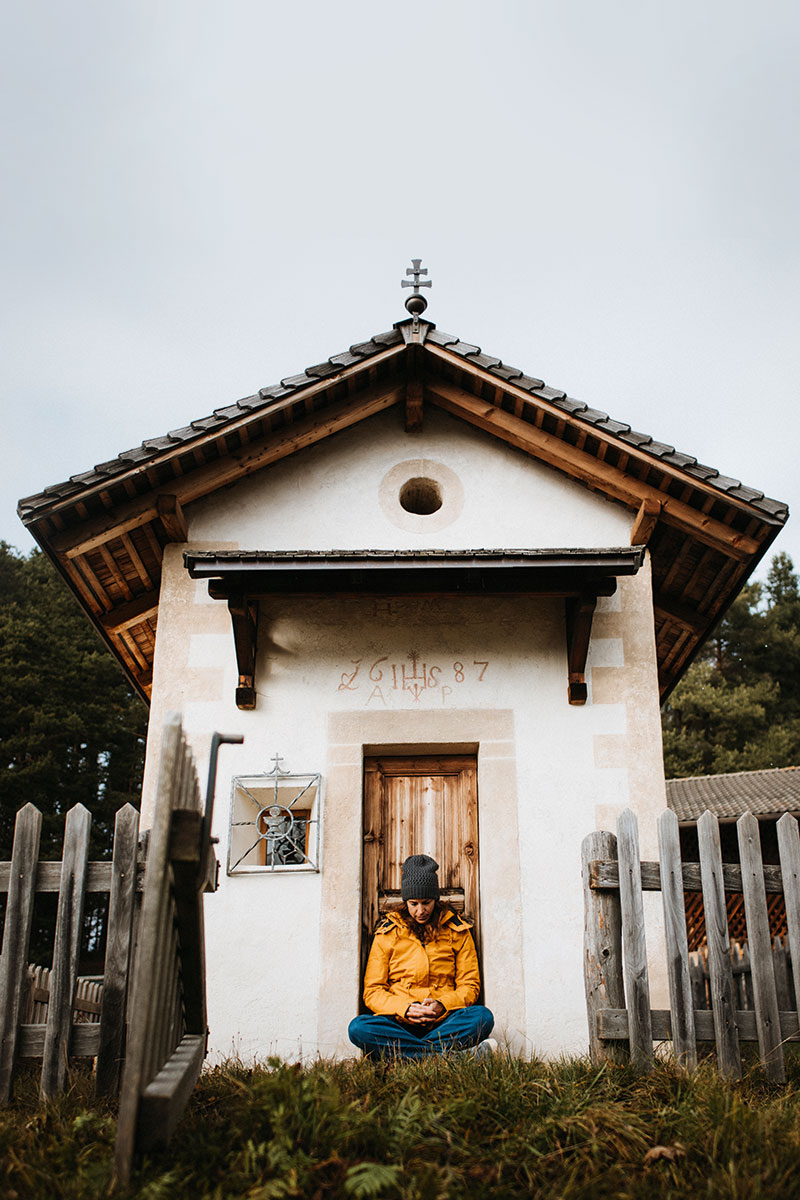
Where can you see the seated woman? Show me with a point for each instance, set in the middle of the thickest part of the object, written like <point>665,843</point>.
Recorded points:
<point>422,977</point>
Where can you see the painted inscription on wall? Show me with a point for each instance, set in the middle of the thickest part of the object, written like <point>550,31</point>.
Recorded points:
<point>387,680</point>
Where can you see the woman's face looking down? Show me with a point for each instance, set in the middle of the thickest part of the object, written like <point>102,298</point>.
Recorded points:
<point>420,910</point>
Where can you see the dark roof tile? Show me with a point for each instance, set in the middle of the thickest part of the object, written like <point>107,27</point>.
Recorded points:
<point>323,370</point>
<point>609,425</point>
<point>347,358</point>
<point>593,414</point>
<point>549,393</point>
<point>292,382</point>
<point>441,339</point>
<point>392,337</point>
<point>636,439</point>
<point>484,360</point>
<point>510,374</point>
<point>676,459</point>
<point>773,791</point>
<point>528,383</point>
<point>660,449</point>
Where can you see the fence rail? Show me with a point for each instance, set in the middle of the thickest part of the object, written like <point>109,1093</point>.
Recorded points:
<point>621,1021</point>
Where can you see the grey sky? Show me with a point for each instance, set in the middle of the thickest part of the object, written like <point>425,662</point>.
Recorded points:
<point>202,198</point>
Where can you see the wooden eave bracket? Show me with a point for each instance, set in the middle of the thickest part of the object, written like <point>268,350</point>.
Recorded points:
<point>579,614</point>
<point>244,618</point>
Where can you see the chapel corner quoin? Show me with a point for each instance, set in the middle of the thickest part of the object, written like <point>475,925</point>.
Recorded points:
<point>449,593</point>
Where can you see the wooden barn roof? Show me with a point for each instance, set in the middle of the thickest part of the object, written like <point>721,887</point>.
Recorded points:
<point>105,529</point>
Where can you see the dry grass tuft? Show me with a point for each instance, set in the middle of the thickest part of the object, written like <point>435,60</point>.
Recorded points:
<point>435,1130</point>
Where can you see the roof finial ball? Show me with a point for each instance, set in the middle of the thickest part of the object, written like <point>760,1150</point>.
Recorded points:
<point>416,302</point>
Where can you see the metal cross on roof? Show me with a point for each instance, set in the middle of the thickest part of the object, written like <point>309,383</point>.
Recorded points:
<point>416,302</point>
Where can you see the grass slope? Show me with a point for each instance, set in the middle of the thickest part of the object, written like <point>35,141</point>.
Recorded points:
<point>428,1131</point>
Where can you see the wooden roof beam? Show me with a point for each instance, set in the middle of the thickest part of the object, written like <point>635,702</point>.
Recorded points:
<point>245,461</point>
<point>693,622</point>
<point>645,523</point>
<point>125,616</point>
<point>587,469</point>
<point>414,388</point>
<point>171,516</point>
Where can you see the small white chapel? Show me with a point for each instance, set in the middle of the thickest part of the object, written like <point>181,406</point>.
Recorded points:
<point>443,602</point>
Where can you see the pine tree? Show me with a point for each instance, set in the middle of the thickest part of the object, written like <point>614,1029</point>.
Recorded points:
<point>738,706</point>
<point>71,728</point>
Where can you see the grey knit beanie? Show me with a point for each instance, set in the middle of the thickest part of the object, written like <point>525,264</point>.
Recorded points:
<point>419,879</point>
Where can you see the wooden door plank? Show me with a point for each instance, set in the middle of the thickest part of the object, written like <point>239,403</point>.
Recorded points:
<point>116,971</point>
<point>16,939</point>
<point>371,854</point>
<point>680,989</point>
<point>634,946</point>
<point>719,950</point>
<point>66,949</point>
<point>469,850</point>
<point>789,849</point>
<point>760,945</point>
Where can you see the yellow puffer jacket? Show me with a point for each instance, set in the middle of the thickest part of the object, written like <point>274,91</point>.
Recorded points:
<point>401,970</point>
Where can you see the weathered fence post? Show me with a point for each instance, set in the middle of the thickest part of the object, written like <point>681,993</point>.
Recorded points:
<point>66,949</point>
<point>719,950</point>
<point>602,946</point>
<point>680,988</point>
<point>634,947</point>
<point>760,943</point>
<point>121,909</point>
<point>789,849</point>
<point>16,939</point>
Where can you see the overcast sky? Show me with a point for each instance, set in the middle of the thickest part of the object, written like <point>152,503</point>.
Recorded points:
<point>202,198</point>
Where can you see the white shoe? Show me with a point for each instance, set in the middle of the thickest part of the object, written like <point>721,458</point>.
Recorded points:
<point>486,1048</point>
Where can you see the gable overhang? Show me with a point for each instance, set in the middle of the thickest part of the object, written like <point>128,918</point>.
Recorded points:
<point>106,530</point>
<point>241,578</point>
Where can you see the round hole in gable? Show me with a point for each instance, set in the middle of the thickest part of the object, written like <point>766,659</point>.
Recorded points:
<point>421,496</point>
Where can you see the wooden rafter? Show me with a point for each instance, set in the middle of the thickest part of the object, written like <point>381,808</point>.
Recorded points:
<point>586,469</point>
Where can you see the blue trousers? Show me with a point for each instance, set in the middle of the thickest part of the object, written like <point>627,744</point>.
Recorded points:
<point>461,1028</point>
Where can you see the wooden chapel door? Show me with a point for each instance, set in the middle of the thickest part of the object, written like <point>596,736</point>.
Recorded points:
<point>419,805</point>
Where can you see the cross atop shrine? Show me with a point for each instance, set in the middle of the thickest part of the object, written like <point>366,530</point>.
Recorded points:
<point>416,302</point>
<point>416,270</point>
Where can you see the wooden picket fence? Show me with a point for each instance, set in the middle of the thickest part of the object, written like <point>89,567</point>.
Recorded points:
<point>742,969</point>
<point>86,1004</point>
<point>621,1021</point>
<point>28,1029</point>
<point>150,1039</point>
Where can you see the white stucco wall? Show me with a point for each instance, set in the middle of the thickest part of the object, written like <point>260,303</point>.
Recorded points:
<point>282,949</point>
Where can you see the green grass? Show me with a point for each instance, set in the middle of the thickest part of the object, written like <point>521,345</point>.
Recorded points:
<point>429,1131</point>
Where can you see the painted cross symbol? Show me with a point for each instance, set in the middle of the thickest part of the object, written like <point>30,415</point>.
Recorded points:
<point>277,759</point>
<point>416,270</point>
